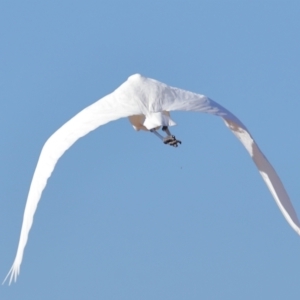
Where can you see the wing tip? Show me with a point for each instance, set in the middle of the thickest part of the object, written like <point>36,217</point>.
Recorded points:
<point>297,229</point>
<point>12,274</point>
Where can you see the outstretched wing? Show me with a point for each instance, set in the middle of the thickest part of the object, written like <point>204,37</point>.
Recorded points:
<point>116,105</point>
<point>177,99</point>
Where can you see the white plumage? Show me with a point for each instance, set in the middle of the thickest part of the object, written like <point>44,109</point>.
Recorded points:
<point>148,104</point>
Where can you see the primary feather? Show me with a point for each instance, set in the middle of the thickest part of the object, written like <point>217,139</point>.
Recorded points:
<point>152,100</point>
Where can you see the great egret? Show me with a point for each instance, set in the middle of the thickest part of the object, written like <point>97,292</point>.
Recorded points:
<point>147,103</point>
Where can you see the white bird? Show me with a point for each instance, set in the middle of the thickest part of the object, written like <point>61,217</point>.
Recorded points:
<point>147,103</point>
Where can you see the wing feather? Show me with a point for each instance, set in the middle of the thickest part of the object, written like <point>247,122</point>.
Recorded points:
<point>112,107</point>
<point>178,99</point>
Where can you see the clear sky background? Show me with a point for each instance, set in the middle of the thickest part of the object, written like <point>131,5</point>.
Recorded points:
<point>124,216</point>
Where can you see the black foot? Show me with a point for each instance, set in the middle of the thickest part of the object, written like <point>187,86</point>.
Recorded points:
<point>171,140</point>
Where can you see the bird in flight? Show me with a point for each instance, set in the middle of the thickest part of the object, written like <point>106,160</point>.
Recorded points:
<point>147,103</point>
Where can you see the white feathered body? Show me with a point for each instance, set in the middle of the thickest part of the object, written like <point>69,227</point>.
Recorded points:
<point>148,104</point>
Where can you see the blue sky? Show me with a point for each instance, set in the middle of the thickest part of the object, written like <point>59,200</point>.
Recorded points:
<point>123,216</point>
